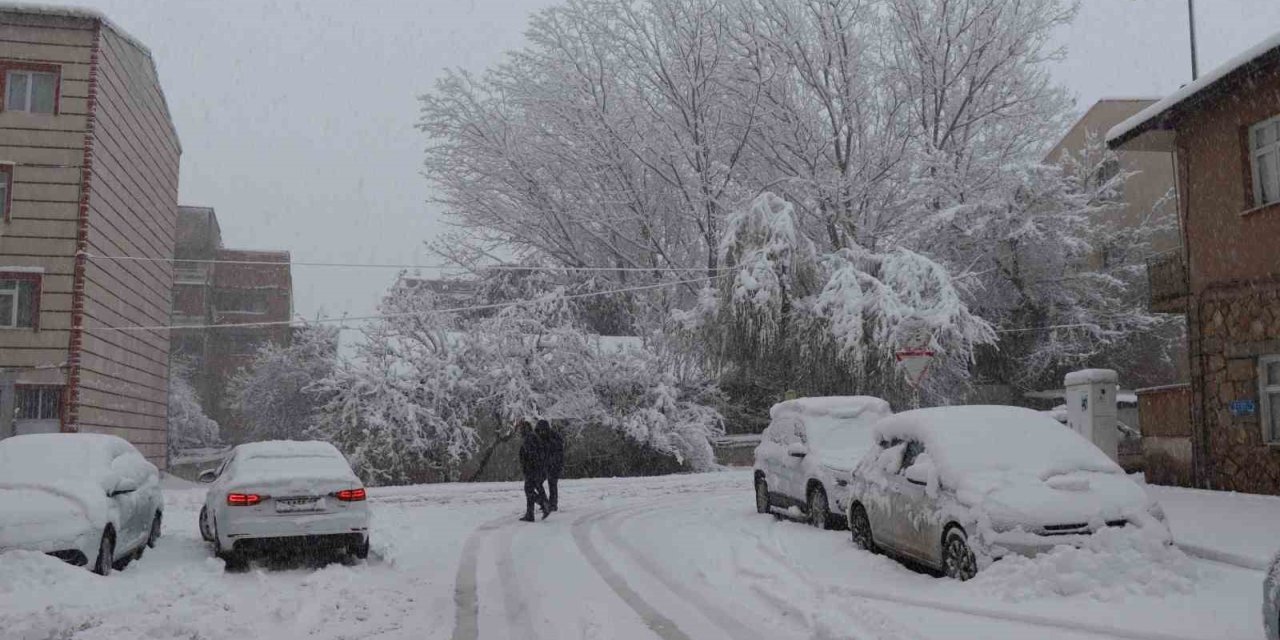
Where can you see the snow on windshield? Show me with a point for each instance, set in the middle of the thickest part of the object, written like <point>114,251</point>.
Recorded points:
<point>56,457</point>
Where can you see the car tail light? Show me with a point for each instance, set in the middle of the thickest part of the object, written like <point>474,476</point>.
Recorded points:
<point>243,499</point>
<point>350,495</point>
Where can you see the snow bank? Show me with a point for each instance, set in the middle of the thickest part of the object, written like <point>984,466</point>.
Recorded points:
<point>1110,565</point>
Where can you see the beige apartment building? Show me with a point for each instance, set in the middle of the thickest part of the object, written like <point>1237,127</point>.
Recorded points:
<point>88,167</point>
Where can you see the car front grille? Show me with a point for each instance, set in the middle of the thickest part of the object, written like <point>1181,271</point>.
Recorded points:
<point>1079,528</point>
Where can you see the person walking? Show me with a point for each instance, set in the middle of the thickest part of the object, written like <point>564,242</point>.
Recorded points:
<point>554,444</point>
<point>533,462</point>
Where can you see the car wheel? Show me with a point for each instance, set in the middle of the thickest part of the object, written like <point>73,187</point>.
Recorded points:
<point>860,529</point>
<point>762,496</point>
<point>155,533</point>
<point>235,561</point>
<point>958,561</point>
<point>819,516</point>
<point>361,551</point>
<point>106,553</point>
<point>203,524</point>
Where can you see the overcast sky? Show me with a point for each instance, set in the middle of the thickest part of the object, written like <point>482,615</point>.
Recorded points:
<point>296,116</point>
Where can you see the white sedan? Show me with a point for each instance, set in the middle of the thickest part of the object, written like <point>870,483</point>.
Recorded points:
<point>284,495</point>
<point>957,487</point>
<point>89,499</point>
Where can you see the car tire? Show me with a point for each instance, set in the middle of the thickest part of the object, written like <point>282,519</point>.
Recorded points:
<point>860,529</point>
<point>762,496</point>
<point>203,524</point>
<point>102,565</point>
<point>958,561</point>
<point>819,512</point>
<point>235,561</point>
<point>361,551</point>
<point>154,536</point>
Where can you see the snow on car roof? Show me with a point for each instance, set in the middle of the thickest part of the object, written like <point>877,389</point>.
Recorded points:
<point>57,455</point>
<point>287,449</point>
<point>977,440</point>
<point>832,406</point>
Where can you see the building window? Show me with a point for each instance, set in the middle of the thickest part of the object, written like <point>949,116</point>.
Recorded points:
<point>31,91</point>
<point>19,300</point>
<point>1269,396</point>
<point>38,403</point>
<point>1264,151</point>
<point>242,302</point>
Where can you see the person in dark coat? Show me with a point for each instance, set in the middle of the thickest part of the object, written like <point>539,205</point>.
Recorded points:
<point>533,462</point>
<point>554,445</point>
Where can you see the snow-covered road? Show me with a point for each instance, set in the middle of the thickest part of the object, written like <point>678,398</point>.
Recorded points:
<point>673,557</point>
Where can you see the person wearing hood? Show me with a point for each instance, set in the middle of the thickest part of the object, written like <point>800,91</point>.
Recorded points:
<point>533,462</point>
<point>553,443</point>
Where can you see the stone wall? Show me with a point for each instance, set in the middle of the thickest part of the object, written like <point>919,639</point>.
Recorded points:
<point>1236,326</point>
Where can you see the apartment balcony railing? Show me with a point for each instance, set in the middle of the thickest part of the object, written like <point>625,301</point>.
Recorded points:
<point>1167,280</point>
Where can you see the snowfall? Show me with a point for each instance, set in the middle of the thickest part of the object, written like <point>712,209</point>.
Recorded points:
<point>669,557</point>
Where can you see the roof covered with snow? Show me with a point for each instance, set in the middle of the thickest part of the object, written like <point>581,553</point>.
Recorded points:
<point>65,11</point>
<point>1162,114</point>
<point>287,449</point>
<point>833,406</point>
<point>1087,376</point>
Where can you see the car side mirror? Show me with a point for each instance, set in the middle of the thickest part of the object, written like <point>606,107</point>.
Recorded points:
<point>207,476</point>
<point>797,450</point>
<point>123,486</point>
<point>920,472</point>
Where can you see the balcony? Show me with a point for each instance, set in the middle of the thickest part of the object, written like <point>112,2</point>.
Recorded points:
<point>1167,280</point>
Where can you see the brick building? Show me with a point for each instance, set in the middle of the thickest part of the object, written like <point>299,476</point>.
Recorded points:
<point>221,286</point>
<point>88,167</point>
<point>1225,131</point>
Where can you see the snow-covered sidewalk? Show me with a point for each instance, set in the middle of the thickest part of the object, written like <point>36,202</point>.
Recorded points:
<point>1237,528</point>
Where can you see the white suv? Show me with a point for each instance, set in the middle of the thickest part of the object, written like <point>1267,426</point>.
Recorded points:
<point>807,453</point>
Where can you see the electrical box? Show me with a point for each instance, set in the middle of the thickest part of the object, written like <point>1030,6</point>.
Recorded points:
<point>1091,407</point>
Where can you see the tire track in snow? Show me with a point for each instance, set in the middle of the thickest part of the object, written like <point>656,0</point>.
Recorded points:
<point>514,602</point>
<point>466,597</point>
<point>658,623</point>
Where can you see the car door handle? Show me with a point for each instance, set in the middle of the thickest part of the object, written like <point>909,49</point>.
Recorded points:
<point>917,482</point>
<point>842,482</point>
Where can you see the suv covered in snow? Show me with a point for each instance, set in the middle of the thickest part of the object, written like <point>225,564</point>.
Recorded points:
<point>806,454</point>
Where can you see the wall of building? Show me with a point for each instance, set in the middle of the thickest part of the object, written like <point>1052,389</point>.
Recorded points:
<point>132,188</point>
<point>1234,275</point>
<point>47,152</point>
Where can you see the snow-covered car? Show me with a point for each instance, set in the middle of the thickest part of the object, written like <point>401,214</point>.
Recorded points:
<point>957,487</point>
<point>89,499</point>
<point>284,495</point>
<point>805,455</point>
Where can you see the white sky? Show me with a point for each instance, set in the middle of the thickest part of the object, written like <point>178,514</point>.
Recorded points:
<point>296,116</point>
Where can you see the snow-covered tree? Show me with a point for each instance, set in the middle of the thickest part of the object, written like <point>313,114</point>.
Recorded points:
<point>271,394</point>
<point>428,393</point>
<point>189,427</point>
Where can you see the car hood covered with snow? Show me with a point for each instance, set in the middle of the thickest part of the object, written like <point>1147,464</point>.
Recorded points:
<point>46,518</point>
<point>1083,498</point>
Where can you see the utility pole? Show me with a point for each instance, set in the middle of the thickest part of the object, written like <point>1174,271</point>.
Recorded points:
<point>1191,20</point>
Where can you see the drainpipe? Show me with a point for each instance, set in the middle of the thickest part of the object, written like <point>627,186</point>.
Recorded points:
<point>8,380</point>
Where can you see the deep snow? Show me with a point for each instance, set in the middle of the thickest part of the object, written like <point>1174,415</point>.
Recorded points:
<point>669,557</point>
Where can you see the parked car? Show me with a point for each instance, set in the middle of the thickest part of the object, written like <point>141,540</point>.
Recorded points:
<point>1271,600</point>
<point>284,495</point>
<point>89,499</point>
<point>957,487</point>
<point>805,455</point>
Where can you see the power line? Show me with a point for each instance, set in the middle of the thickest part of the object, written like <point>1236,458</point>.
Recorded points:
<point>411,314</point>
<point>367,265</point>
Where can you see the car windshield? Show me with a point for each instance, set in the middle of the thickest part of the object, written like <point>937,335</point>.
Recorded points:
<point>52,459</point>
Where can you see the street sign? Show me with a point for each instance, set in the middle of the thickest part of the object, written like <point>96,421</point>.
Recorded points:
<point>914,356</point>
<point>1241,408</point>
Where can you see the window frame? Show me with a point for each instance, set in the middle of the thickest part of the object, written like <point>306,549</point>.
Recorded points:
<point>42,389</point>
<point>8,66</point>
<point>37,279</point>
<point>1272,148</point>
<point>6,181</point>
<point>1264,398</point>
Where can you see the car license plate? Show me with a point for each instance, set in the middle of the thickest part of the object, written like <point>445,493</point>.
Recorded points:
<point>296,505</point>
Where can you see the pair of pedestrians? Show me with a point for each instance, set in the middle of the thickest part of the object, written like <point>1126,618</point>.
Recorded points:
<point>541,459</point>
